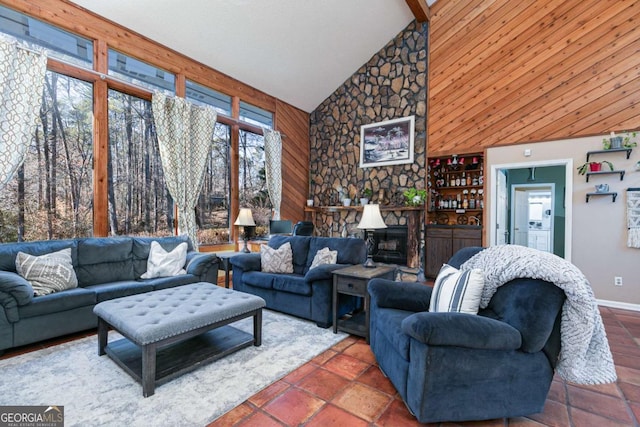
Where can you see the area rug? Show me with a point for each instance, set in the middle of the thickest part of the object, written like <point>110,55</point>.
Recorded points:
<point>97,392</point>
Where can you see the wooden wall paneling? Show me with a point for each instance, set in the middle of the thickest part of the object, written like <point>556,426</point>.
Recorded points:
<point>294,124</point>
<point>581,76</point>
<point>499,102</point>
<point>502,74</point>
<point>500,87</point>
<point>541,71</point>
<point>459,14</point>
<point>484,35</point>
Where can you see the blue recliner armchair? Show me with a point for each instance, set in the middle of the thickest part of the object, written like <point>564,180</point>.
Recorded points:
<point>460,367</point>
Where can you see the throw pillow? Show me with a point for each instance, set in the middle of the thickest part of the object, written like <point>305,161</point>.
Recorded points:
<point>163,264</point>
<point>324,256</point>
<point>47,273</point>
<point>276,260</point>
<point>457,291</point>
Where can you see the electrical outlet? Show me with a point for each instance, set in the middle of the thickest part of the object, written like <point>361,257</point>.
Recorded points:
<point>617,281</point>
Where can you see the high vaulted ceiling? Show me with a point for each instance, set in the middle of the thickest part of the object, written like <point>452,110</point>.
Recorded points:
<point>299,51</point>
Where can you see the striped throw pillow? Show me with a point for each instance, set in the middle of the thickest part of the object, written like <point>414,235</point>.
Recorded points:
<point>457,291</point>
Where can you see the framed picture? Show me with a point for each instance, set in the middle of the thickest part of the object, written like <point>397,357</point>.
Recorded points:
<point>387,143</point>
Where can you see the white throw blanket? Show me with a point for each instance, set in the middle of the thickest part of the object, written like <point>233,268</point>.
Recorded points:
<point>585,357</point>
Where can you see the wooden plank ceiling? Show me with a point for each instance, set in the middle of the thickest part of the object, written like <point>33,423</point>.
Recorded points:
<point>504,72</point>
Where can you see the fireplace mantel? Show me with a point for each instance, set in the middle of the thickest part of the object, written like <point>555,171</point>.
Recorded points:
<point>412,213</point>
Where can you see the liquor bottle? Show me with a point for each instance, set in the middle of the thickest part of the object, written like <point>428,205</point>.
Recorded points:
<point>457,180</point>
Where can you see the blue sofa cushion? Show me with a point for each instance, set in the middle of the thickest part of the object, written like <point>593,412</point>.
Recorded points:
<point>58,302</point>
<point>292,283</point>
<point>259,279</point>
<point>9,251</point>
<point>350,251</point>
<point>104,260</point>
<point>107,291</point>
<point>530,306</point>
<point>299,249</point>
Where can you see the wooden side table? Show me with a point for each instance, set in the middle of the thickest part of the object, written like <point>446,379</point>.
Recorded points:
<point>226,264</point>
<point>353,281</point>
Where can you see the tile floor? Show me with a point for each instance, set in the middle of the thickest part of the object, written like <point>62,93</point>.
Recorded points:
<point>343,387</point>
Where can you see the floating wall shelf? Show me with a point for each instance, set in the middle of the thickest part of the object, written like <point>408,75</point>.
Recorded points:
<point>588,174</point>
<point>612,150</point>
<point>612,194</point>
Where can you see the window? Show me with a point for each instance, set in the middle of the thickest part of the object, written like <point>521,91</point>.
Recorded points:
<point>58,43</point>
<point>203,95</point>
<point>140,73</point>
<point>212,211</point>
<point>139,202</point>
<point>256,116</point>
<point>51,196</point>
<point>253,189</point>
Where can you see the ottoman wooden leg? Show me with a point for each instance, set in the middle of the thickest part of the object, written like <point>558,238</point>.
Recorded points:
<point>257,328</point>
<point>148,369</point>
<point>103,333</point>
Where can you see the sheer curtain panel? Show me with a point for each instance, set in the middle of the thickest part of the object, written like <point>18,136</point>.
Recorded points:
<point>185,134</point>
<point>21,81</point>
<point>273,168</point>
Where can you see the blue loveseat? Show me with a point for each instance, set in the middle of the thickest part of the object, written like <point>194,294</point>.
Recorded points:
<point>459,367</point>
<point>305,293</point>
<point>106,268</point>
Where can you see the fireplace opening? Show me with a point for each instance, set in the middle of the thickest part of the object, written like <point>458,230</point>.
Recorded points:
<point>390,244</point>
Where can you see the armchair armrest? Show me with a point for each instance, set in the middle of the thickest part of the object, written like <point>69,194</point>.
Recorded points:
<point>247,262</point>
<point>410,296</point>
<point>14,291</point>
<point>323,272</point>
<point>462,330</point>
<point>199,263</point>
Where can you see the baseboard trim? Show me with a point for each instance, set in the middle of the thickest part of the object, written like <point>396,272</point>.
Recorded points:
<point>616,304</point>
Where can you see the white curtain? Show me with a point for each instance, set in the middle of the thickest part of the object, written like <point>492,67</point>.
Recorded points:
<point>21,82</point>
<point>185,134</point>
<point>273,168</point>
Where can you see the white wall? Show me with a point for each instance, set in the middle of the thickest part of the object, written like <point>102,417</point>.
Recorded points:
<point>598,228</point>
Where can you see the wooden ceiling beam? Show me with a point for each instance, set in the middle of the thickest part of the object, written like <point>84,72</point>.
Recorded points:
<point>420,9</point>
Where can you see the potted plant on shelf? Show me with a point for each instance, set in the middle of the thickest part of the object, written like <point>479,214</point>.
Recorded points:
<point>414,197</point>
<point>366,196</point>
<point>593,167</point>
<point>616,142</point>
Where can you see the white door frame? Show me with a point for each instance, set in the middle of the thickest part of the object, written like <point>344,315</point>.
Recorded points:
<point>568,204</point>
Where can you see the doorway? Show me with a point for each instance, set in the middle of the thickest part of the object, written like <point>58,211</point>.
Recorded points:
<point>529,205</point>
<point>532,221</point>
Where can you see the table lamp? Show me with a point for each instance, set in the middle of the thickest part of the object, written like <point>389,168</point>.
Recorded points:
<point>245,219</point>
<point>371,220</point>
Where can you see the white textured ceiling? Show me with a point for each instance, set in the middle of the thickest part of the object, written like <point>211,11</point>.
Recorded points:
<point>299,51</point>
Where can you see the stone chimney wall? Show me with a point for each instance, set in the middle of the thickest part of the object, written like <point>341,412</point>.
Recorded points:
<point>391,85</point>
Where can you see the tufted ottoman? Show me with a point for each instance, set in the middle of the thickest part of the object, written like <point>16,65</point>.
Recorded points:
<point>172,331</point>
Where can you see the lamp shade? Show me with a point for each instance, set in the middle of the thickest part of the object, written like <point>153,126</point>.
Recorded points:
<point>245,218</point>
<point>371,218</point>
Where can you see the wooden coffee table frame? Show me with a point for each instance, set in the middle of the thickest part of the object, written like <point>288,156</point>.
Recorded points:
<point>158,362</point>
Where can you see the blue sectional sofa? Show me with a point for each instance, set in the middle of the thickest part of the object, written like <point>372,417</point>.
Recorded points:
<point>106,268</point>
<point>305,293</point>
